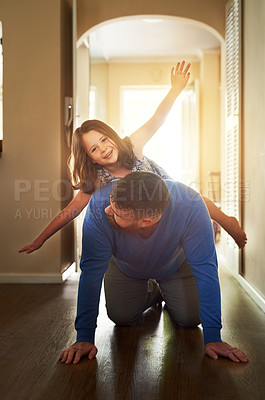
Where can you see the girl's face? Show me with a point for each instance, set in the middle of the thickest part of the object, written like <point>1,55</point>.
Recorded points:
<point>100,148</point>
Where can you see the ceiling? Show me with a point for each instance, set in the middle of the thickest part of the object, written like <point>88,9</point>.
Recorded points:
<point>149,38</point>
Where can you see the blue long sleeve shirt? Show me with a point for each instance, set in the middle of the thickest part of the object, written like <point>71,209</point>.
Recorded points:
<point>183,233</point>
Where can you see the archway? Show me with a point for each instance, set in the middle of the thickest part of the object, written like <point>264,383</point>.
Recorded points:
<point>153,40</point>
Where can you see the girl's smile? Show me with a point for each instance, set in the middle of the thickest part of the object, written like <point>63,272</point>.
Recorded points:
<point>109,154</point>
<point>100,148</point>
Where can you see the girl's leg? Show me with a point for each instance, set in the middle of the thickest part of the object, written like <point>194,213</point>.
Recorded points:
<point>127,298</point>
<point>229,224</point>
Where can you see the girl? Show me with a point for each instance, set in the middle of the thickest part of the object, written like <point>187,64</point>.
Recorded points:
<point>99,156</point>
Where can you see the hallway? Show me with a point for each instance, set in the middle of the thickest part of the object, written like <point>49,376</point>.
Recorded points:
<point>153,360</point>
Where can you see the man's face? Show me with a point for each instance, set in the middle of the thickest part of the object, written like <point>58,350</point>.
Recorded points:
<point>122,220</point>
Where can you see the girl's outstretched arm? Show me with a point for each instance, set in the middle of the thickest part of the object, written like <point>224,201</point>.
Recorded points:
<point>179,79</point>
<point>69,213</point>
<point>229,224</point>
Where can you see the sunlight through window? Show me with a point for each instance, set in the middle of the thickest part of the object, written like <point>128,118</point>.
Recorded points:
<point>92,102</point>
<point>175,146</point>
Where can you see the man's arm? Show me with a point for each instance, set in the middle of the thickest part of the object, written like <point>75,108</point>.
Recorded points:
<point>199,247</point>
<point>96,252</point>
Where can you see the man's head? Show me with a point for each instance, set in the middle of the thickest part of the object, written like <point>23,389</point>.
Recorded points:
<point>137,201</point>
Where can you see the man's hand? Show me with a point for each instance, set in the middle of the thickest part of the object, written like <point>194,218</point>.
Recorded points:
<point>215,349</point>
<point>78,350</point>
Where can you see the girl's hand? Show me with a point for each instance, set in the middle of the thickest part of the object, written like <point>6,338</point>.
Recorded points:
<point>32,246</point>
<point>180,76</point>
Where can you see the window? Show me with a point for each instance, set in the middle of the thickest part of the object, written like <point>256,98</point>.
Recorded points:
<point>92,103</point>
<point>175,146</point>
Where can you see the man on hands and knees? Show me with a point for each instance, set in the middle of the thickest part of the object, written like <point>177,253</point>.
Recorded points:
<point>144,228</point>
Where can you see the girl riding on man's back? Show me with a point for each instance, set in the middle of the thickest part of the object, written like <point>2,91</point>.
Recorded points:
<point>99,156</point>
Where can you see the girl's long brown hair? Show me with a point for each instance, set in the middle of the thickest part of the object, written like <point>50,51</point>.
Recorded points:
<point>83,170</point>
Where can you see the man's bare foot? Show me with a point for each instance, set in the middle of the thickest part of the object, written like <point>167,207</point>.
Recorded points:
<point>237,233</point>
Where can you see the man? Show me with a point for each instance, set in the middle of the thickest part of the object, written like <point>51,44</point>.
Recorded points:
<point>149,238</point>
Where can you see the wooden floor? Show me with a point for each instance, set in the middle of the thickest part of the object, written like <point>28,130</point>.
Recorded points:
<point>153,360</point>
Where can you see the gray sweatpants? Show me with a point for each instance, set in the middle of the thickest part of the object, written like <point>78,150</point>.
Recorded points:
<point>127,298</point>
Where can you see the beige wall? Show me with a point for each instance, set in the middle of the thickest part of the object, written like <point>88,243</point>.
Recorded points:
<point>254,142</point>
<point>37,67</point>
<point>82,84</point>
<point>99,80</point>
<point>93,12</point>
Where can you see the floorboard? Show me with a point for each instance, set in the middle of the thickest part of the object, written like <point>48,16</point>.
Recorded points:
<point>153,360</point>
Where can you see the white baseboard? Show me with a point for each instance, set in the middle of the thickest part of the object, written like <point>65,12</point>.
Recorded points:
<point>38,278</point>
<point>68,271</point>
<point>258,299</point>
